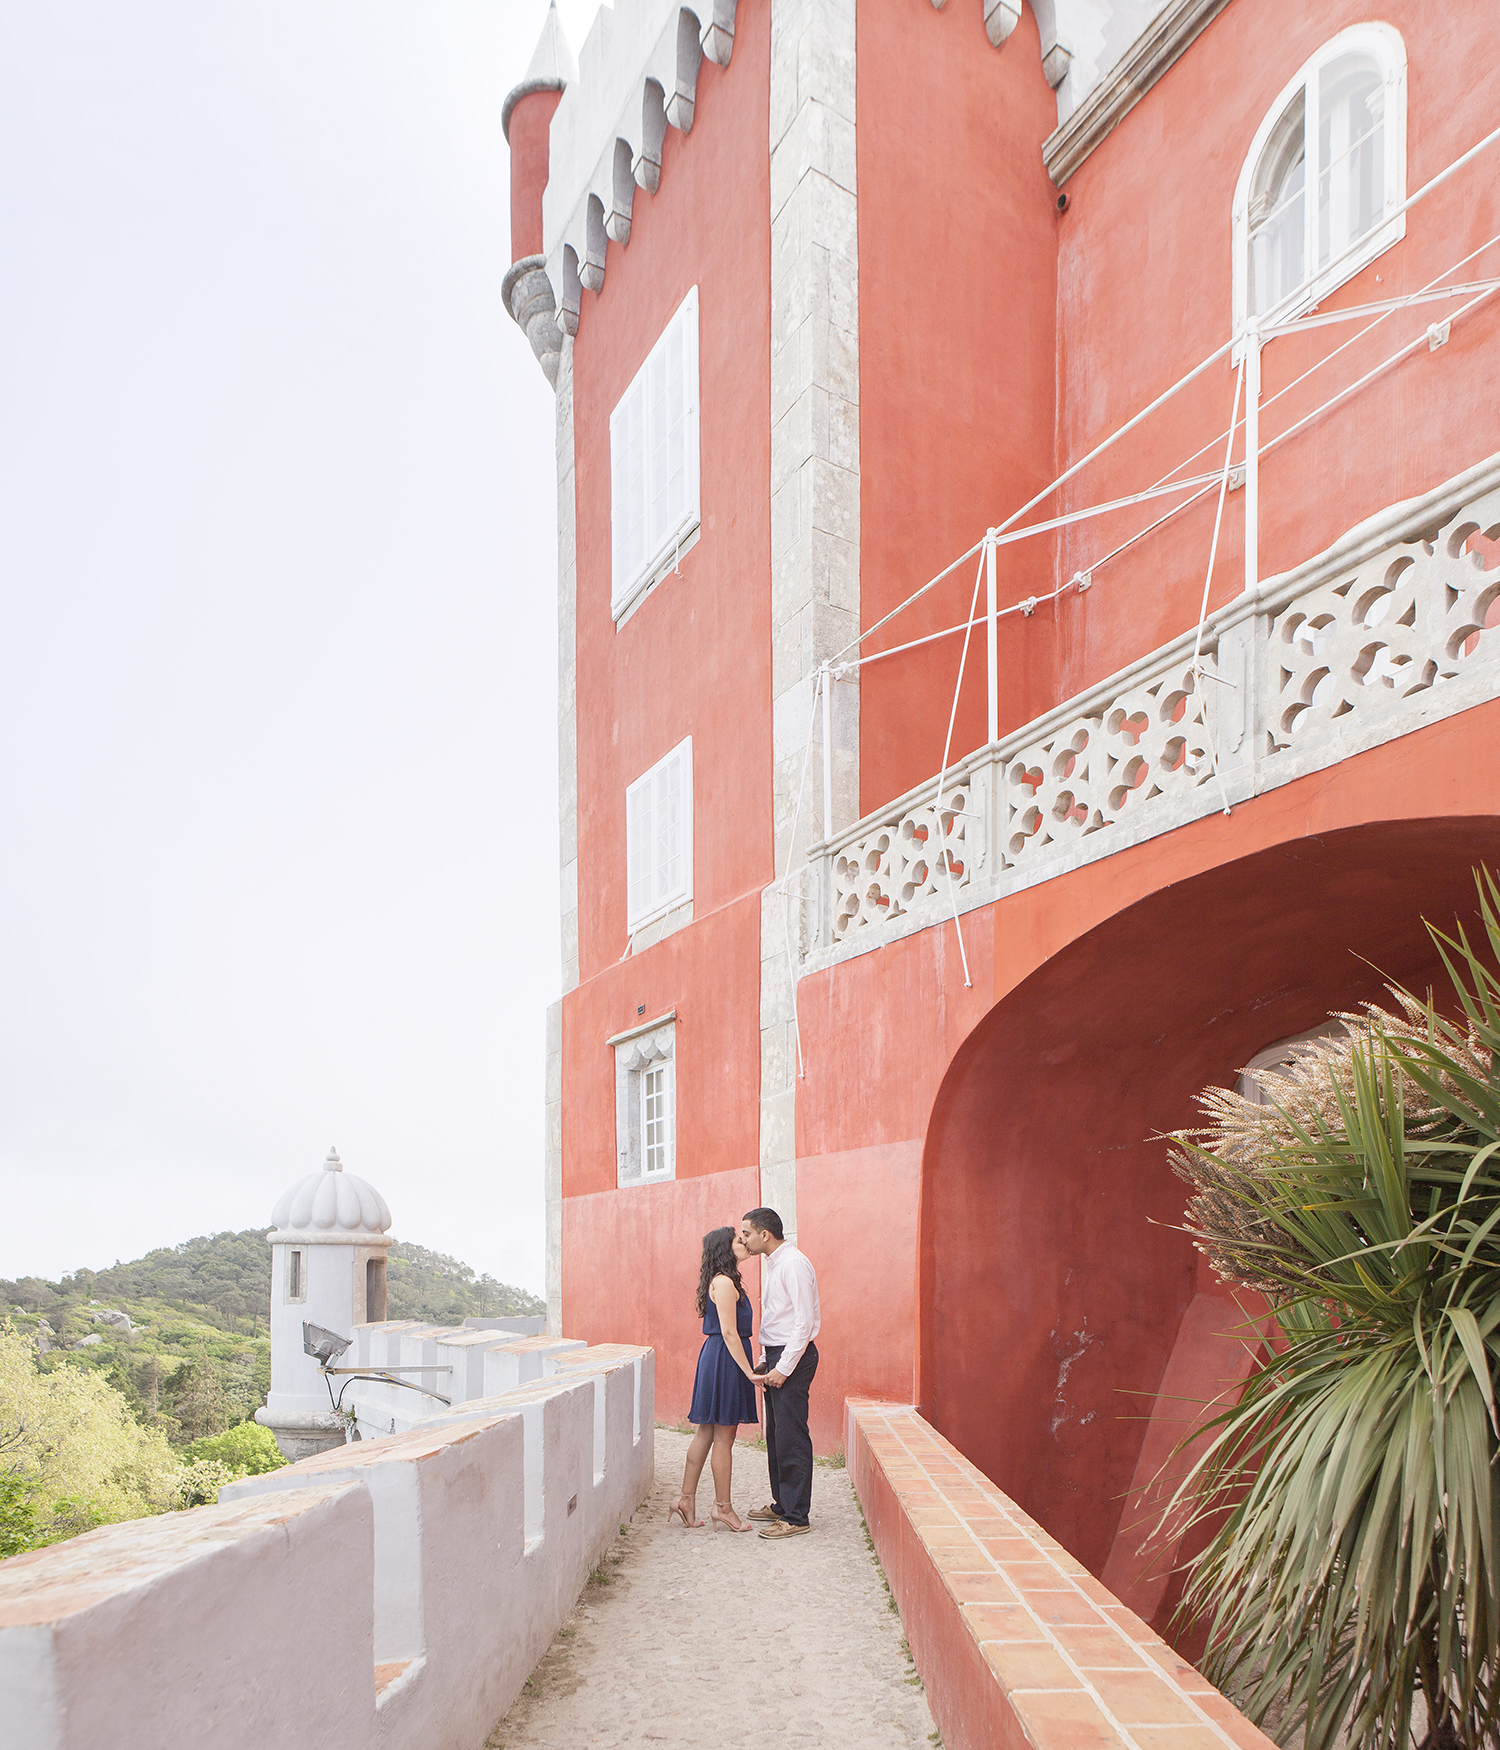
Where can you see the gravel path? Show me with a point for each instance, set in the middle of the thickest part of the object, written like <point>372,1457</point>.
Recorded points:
<point>692,1638</point>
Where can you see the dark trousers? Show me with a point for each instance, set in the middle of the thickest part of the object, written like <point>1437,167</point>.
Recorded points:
<point>789,1454</point>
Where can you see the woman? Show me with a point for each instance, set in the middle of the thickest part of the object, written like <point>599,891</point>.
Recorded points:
<point>724,1392</point>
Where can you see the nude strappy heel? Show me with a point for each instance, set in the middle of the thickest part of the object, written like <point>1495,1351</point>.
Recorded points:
<point>727,1517</point>
<point>682,1512</point>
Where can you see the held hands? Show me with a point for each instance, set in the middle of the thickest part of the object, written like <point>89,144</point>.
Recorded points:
<point>774,1377</point>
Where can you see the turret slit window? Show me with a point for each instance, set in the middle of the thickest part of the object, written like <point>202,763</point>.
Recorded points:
<point>296,1280</point>
<point>646,1102</point>
<point>653,462</point>
<point>1327,165</point>
<point>659,838</point>
<point>374,1290</point>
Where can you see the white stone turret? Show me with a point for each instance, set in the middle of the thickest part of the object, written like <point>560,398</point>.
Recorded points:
<point>328,1258</point>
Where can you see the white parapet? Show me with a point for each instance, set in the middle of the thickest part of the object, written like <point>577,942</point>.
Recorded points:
<point>393,1591</point>
<point>425,1369</point>
<point>246,1624</point>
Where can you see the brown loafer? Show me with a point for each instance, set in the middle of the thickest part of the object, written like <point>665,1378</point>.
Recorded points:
<point>766,1512</point>
<point>784,1528</point>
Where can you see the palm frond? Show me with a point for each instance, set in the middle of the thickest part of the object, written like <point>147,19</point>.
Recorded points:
<point>1350,1497</point>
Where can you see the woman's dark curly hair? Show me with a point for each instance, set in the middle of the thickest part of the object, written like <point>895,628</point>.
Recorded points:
<point>718,1260</point>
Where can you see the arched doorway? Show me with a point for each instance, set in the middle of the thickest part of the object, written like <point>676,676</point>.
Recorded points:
<point>1066,1325</point>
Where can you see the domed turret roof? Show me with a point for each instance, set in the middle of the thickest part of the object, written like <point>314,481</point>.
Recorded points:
<point>333,1202</point>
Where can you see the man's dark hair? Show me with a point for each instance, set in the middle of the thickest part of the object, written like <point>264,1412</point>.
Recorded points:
<point>767,1220</point>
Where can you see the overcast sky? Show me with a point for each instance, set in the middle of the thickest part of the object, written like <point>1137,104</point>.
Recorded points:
<point>277,674</point>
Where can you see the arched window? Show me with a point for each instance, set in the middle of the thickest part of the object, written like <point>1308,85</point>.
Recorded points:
<point>1326,166</point>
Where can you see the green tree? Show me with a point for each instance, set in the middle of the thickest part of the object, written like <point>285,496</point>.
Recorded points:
<point>199,1402</point>
<point>74,1454</point>
<point>421,1284</point>
<point>247,1449</point>
<point>1350,1496</point>
<point>18,1514</point>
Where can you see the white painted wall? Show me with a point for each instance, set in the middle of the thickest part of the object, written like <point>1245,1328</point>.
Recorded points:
<point>453,1550</point>
<point>239,1625</point>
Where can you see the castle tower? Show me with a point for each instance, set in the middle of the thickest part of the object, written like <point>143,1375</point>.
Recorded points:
<point>328,1258</point>
<point>526,117</point>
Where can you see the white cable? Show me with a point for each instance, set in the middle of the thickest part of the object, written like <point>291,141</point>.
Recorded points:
<point>931,583</point>
<point>1370,375</point>
<point>1433,294</point>
<point>943,778</point>
<point>1161,490</point>
<point>1213,546</point>
<point>948,631</point>
<point>1296,382</point>
<point>1213,553</point>
<point>1182,382</point>
<point>1328,358</point>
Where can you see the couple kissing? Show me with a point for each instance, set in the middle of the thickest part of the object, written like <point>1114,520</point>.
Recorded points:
<point>724,1393</point>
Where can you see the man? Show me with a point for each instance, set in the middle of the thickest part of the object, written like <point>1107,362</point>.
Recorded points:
<point>789,1320</point>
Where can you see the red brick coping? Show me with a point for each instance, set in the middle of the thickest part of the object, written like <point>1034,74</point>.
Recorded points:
<point>1016,1642</point>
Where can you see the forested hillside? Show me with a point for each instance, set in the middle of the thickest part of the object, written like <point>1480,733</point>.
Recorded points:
<point>130,1390</point>
<point>430,1285</point>
<point>195,1357</point>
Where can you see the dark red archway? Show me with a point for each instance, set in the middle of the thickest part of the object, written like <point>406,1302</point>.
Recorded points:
<point>1057,1298</point>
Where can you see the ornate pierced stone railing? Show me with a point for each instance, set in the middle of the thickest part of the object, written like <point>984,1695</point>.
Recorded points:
<point>1387,630</point>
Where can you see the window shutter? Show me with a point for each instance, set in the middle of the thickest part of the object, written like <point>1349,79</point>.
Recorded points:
<point>659,837</point>
<point>627,472</point>
<point>653,453</point>
<point>668,825</point>
<point>668,435</point>
<point>637,806</point>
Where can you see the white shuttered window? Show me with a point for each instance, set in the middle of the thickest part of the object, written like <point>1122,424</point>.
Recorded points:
<point>653,459</point>
<point>659,838</point>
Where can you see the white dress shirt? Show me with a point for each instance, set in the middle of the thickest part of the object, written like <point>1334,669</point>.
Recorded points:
<point>789,1312</point>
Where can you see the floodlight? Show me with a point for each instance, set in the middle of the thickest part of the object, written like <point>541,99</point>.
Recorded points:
<point>324,1346</point>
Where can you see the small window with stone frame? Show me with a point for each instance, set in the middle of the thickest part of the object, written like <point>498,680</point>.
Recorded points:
<point>646,1104</point>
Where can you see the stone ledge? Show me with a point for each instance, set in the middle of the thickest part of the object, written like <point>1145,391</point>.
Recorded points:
<point>1016,1641</point>
<point>1156,49</point>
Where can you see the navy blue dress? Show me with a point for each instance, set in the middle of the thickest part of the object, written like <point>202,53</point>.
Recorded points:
<point>721,1393</point>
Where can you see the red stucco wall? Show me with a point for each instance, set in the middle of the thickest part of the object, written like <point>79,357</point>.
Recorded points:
<point>529,122</point>
<point>1050,1280</point>
<point>693,659</point>
<point>985,316</point>
<point>1144,293</point>
<point>957,299</point>
<point>991,1222</point>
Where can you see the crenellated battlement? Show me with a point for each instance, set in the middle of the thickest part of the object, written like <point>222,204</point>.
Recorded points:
<point>637,76</point>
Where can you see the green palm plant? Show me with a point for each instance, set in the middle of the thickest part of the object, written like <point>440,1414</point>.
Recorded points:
<point>1349,1496</point>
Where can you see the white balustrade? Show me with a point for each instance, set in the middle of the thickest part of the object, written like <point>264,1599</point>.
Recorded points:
<point>1407,619</point>
<point>1387,630</point>
<point>1099,767</point>
<point>897,867</point>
